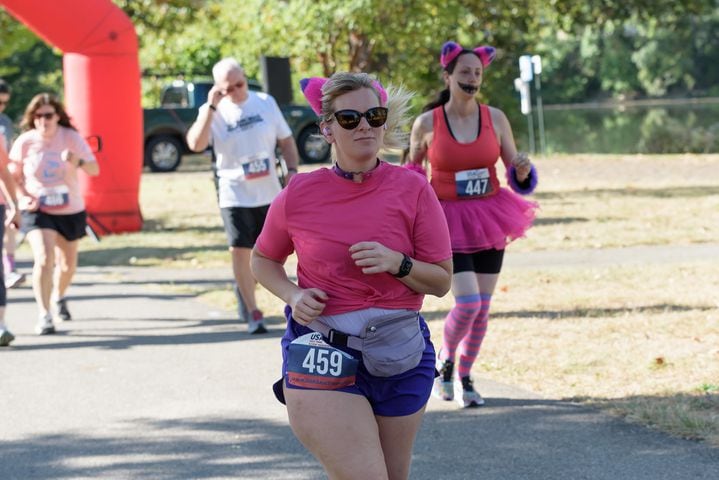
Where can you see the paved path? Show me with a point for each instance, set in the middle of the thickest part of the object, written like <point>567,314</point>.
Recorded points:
<point>154,385</point>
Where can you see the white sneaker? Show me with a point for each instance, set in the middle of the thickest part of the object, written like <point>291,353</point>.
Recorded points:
<point>442,387</point>
<point>256,324</point>
<point>13,279</point>
<point>466,395</point>
<point>45,326</point>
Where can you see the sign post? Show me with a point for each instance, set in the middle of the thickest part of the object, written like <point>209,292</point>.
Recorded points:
<point>537,69</point>
<point>521,84</point>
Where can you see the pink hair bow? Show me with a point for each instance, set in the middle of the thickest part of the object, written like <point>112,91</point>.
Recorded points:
<point>312,90</point>
<point>450,51</point>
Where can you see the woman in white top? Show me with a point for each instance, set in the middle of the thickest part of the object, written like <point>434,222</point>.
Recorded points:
<point>49,154</point>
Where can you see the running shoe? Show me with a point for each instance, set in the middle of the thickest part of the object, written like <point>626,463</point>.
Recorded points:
<point>443,388</point>
<point>13,279</point>
<point>256,323</point>
<point>45,326</point>
<point>467,396</point>
<point>62,310</point>
<point>6,337</point>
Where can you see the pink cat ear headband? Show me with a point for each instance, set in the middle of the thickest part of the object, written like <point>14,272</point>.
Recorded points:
<point>312,90</point>
<point>451,50</point>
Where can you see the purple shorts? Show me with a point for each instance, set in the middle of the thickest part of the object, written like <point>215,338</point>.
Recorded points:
<point>394,396</point>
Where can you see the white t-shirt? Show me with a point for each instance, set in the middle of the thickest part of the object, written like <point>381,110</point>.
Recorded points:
<point>47,176</point>
<point>244,137</point>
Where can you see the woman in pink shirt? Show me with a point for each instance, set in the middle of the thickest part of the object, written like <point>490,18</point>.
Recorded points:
<point>371,240</point>
<point>49,155</point>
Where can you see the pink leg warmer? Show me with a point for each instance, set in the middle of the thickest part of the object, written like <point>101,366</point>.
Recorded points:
<point>472,342</point>
<point>465,310</point>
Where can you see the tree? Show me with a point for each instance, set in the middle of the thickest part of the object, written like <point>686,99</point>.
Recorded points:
<point>28,64</point>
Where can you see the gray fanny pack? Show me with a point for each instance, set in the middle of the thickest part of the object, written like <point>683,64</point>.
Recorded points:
<point>390,344</point>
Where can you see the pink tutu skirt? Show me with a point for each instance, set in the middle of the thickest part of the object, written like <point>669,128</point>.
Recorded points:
<point>490,222</point>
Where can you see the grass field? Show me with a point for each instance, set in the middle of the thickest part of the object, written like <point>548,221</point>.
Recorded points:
<point>640,340</point>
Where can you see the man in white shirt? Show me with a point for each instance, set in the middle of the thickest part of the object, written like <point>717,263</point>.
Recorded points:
<point>243,127</point>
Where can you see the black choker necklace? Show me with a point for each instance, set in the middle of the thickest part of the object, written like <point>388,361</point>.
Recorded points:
<point>351,175</point>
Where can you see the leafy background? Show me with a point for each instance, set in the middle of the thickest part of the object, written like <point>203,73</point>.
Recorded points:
<point>606,50</point>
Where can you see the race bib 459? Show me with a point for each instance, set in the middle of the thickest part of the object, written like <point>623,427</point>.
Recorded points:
<point>312,363</point>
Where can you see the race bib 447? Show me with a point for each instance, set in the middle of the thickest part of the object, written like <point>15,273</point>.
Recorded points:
<point>473,183</point>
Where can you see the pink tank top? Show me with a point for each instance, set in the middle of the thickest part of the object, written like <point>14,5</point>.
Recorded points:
<point>463,170</point>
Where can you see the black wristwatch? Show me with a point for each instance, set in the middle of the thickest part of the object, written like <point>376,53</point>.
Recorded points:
<point>404,267</point>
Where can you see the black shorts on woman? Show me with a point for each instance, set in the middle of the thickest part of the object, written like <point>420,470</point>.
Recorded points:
<point>71,226</point>
<point>483,261</point>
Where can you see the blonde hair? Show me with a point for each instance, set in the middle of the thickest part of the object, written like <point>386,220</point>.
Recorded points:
<point>398,104</point>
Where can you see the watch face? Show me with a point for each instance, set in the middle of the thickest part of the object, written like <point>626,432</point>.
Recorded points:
<point>404,267</point>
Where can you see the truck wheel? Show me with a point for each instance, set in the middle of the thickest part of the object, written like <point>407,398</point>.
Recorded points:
<point>163,153</point>
<point>312,146</point>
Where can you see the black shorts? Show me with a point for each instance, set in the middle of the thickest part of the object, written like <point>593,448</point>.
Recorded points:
<point>72,226</point>
<point>484,261</point>
<point>243,224</point>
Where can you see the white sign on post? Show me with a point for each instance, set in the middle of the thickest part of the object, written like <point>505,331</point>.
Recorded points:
<point>525,68</point>
<point>537,64</point>
<point>525,103</point>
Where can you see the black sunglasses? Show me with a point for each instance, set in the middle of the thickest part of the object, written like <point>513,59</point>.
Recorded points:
<point>46,116</point>
<point>350,119</point>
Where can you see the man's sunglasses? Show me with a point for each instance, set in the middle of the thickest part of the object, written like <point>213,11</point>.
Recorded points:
<point>231,88</point>
<point>350,119</point>
<point>46,116</point>
<point>4,102</point>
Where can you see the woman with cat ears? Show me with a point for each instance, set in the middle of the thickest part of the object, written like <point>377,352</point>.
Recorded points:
<point>463,140</point>
<point>371,241</point>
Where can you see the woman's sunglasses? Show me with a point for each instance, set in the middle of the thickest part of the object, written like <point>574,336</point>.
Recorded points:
<point>46,116</point>
<point>350,119</point>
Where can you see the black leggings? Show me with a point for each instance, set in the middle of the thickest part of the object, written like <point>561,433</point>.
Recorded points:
<point>484,261</point>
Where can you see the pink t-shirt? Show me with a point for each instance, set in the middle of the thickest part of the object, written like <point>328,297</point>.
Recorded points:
<point>47,176</point>
<point>320,215</point>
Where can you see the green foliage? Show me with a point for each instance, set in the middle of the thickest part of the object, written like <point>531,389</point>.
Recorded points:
<point>663,131</point>
<point>590,50</point>
<point>28,65</point>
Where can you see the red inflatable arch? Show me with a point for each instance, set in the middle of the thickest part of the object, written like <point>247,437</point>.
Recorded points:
<point>102,95</point>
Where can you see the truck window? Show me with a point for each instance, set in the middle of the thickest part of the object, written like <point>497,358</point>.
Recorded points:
<point>175,97</point>
<point>200,93</point>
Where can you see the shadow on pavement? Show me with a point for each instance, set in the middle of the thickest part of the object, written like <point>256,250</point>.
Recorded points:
<point>167,449</point>
<point>516,439</point>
